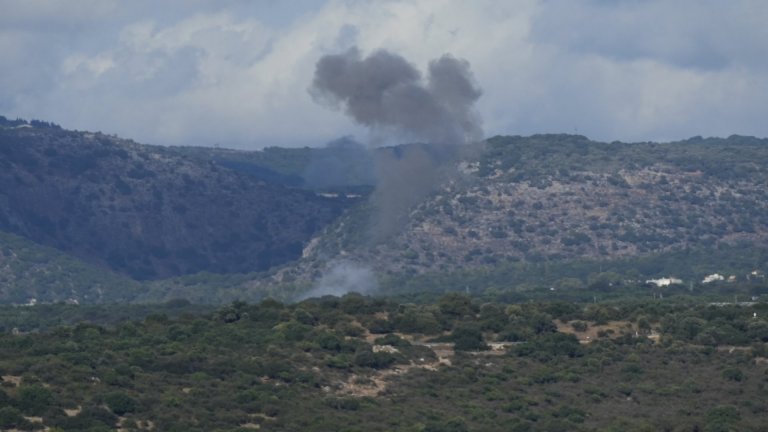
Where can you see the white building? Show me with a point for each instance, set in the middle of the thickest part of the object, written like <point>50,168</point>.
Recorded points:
<point>662,282</point>
<point>714,277</point>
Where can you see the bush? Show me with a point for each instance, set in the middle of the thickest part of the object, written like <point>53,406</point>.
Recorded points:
<point>392,339</point>
<point>381,326</point>
<point>733,374</point>
<point>10,418</point>
<point>5,400</point>
<point>347,403</point>
<point>468,338</point>
<point>412,321</point>
<point>579,326</point>
<point>721,418</point>
<point>329,341</point>
<point>368,358</point>
<point>451,425</point>
<point>340,361</point>
<point>456,305</point>
<point>34,400</point>
<point>120,403</point>
<point>550,345</point>
<point>89,420</point>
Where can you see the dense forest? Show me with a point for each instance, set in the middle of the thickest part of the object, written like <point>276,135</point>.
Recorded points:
<point>365,364</point>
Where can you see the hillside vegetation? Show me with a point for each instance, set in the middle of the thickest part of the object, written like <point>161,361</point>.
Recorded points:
<point>361,364</point>
<point>515,215</point>
<point>549,198</point>
<point>31,273</point>
<point>145,211</point>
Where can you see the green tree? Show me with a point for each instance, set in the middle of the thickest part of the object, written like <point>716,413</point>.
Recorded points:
<point>547,346</point>
<point>34,399</point>
<point>492,317</point>
<point>644,324</point>
<point>11,417</point>
<point>413,320</point>
<point>468,337</point>
<point>392,339</point>
<point>120,403</point>
<point>733,374</point>
<point>456,305</point>
<point>367,358</point>
<point>722,418</point>
<point>579,326</point>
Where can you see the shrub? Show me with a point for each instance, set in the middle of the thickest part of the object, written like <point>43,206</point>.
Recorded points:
<point>11,417</point>
<point>34,399</point>
<point>579,326</point>
<point>368,358</point>
<point>392,339</point>
<point>345,403</point>
<point>468,338</point>
<point>381,326</point>
<point>721,418</point>
<point>5,400</point>
<point>451,425</point>
<point>120,403</point>
<point>329,341</point>
<point>89,419</point>
<point>550,345</point>
<point>733,374</point>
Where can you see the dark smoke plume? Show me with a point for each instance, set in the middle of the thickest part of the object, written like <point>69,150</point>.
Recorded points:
<point>389,95</point>
<point>386,93</point>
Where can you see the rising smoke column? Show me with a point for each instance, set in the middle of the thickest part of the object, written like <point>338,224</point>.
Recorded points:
<point>388,94</point>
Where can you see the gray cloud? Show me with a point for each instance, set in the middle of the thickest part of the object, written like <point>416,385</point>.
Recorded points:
<point>232,71</point>
<point>705,35</point>
<point>385,92</point>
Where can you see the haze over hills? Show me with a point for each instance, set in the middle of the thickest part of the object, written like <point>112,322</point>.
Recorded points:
<point>271,222</point>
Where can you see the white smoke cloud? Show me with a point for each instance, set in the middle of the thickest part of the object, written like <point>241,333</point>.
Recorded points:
<point>342,277</point>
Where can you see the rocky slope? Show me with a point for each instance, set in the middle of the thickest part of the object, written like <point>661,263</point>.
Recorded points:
<point>559,197</point>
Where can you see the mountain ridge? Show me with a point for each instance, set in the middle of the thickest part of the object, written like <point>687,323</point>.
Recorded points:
<point>270,222</point>
<point>147,212</point>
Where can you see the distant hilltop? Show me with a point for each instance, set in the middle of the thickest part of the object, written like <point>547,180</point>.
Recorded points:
<point>280,216</point>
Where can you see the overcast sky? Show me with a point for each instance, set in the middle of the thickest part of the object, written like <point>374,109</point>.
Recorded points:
<point>236,73</point>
